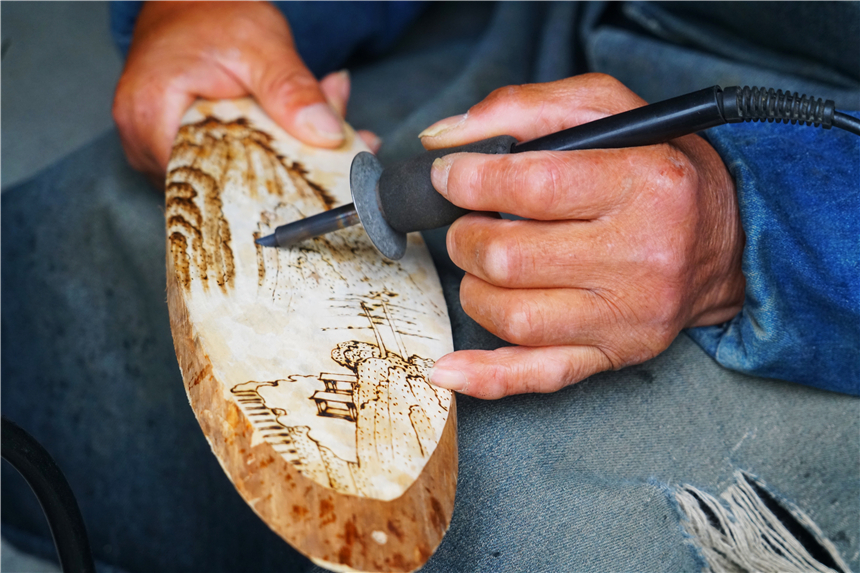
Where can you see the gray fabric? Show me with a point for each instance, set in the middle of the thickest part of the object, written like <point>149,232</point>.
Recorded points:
<point>89,370</point>
<point>578,480</point>
<point>582,480</point>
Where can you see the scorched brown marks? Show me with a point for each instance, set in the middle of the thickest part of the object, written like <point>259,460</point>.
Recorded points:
<point>211,155</point>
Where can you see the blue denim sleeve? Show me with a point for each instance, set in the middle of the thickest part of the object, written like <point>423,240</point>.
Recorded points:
<point>326,33</point>
<point>799,195</point>
<point>123,15</point>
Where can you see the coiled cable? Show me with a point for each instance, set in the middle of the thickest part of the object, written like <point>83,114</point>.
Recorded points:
<point>762,104</point>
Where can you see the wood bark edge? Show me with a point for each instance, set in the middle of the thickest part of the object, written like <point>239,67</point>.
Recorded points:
<point>333,529</point>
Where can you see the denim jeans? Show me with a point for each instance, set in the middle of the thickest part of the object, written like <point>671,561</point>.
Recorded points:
<point>588,478</point>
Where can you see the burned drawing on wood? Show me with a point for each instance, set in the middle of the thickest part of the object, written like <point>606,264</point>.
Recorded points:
<point>380,390</point>
<point>325,346</point>
<point>207,154</point>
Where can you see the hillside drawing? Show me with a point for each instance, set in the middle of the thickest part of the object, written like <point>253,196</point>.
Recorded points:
<point>375,387</point>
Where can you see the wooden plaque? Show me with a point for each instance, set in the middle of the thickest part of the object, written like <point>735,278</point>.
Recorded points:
<point>307,367</point>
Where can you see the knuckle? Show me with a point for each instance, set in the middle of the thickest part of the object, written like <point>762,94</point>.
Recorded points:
<point>507,97</point>
<point>496,385</point>
<point>663,324</point>
<point>520,321</point>
<point>604,81</point>
<point>290,84</point>
<point>498,260</point>
<point>666,333</point>
<point>688,173</point>
<point>614,96</point>
<point>554,374</point>
<point>665,317</point>
<point>504,94</point>
<point>674,172</point>
<point>660,334</point>
<point>135,104</point>
<point>127,98</point>
<point>666,263</point>
<point>466,182</point>
<point>546,181</point>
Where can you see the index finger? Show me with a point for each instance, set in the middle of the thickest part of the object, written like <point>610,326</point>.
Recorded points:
<point>533,110</point>
<point>543,185</point>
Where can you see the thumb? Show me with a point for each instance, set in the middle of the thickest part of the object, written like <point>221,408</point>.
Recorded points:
<point>493,374</point>
<point>292,97</point>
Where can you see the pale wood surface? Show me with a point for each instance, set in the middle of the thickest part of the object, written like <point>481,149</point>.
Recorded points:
<point>306,367</point>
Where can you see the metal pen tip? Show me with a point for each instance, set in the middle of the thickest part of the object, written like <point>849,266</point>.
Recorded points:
<point>268,241</point>
<point>319,224</point>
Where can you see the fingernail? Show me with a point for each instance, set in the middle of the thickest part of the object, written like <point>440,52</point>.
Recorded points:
<point>450,379</point>
<point>444,125</point>
<point>322,119</point>
<point>439,173</point>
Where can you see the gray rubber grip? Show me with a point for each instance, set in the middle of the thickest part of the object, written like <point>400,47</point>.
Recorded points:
<point>406,195</point>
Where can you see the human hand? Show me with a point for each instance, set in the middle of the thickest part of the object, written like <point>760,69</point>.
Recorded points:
<point>184,50</point>
<point>623,249</point>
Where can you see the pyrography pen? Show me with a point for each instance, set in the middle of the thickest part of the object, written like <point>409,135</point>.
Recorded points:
<point>400,199</point>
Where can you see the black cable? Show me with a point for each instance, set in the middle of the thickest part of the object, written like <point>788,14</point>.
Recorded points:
<point>760,104</point>
<point>47,481</point>
<point>846,122</point>
<point>648,125</point>
<point>693,112</point>
<point>390,202</point>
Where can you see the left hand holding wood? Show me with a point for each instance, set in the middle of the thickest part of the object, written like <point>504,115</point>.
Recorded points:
<point>623,247</point>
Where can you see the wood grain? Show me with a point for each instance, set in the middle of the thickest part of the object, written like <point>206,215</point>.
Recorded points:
<point>382,500</point>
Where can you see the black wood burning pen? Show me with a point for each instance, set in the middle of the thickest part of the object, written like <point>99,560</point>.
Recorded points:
<point>391,202</point>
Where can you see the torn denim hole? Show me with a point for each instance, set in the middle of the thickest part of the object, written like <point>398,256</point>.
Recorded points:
<point>747,529</point>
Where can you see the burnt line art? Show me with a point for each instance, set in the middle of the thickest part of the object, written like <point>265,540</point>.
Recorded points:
<point>199,234</point>
<point>209,154</point>
<point>401,325</point>
<point>238,144</point>
<point>324,263</point>
<point>381,391</point>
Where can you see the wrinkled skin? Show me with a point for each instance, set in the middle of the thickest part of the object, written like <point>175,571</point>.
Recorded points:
<point>181,51</point>
<point>623,249</point>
